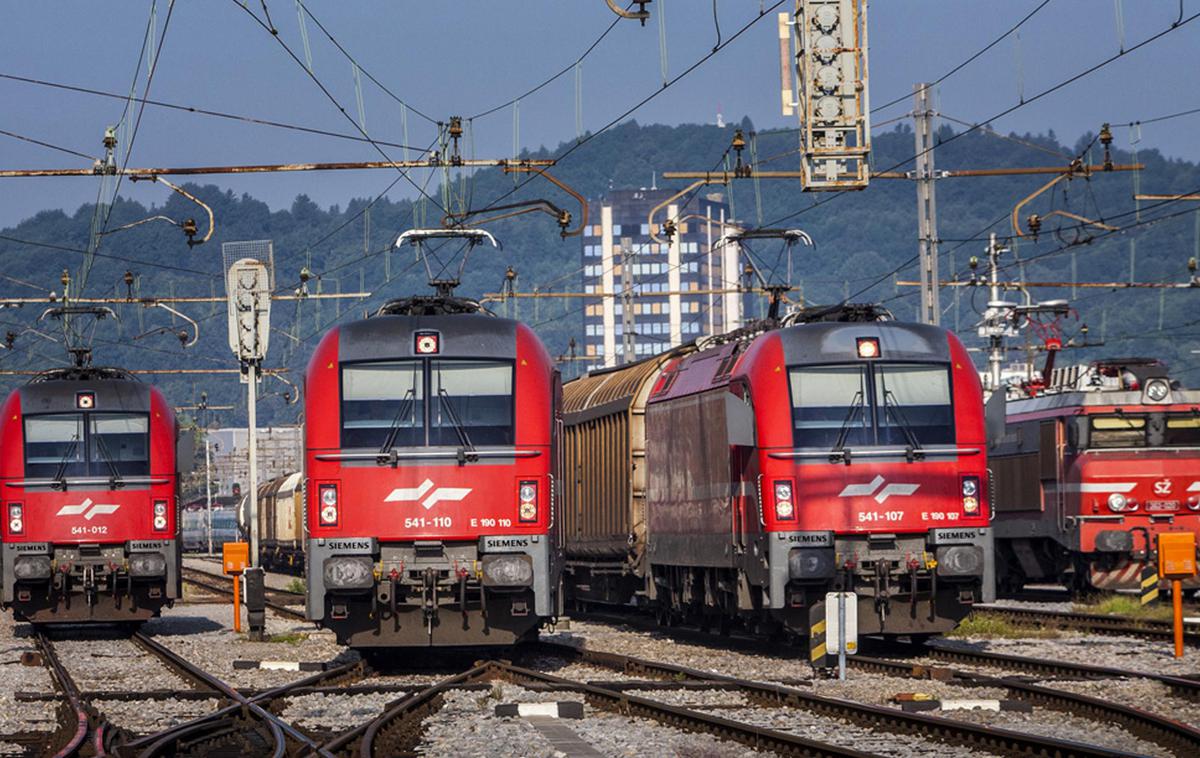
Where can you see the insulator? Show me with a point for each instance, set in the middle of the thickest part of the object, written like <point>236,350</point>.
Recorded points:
<point>183,337</point>
<point>9,339</point>
<point>65,278</point>
<point>1084,330</point>
<point>305,274</point>
<point>974,262</point>
<point>110,138</point>
<point>189,228</point>
<point>510,274</point>
<point>1106,137</point>
<point>1192,265</point>
<point>564,220</point>
<point>456,130</point>
<point>1035,224</point>
<point>669,228</point>
<point>128,278</point>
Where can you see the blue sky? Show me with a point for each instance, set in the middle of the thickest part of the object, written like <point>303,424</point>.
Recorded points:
<point>465,57</point>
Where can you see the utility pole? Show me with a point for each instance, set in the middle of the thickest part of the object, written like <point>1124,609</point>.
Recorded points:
<point>207,471</point>
<point>927,233</point>
<point>628,258</point>
<point>995,320</point>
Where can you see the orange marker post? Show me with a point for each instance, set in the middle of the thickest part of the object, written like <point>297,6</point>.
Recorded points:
<point>235,558</point>
<point>1177,561</point>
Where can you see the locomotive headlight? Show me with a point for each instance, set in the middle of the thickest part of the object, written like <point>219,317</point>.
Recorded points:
<point>329,504</point>
<point>1157,390</point>
<point>160,515</point>
<point>1117,502</point>
<point>527,508</point>
<point>16,518</point>
<point>960,560</point>
<point>1193,504</point>
<point>507,570</point>
<point>785,509</point>
<point>348,572</point>
<point>147,564</point>
<point>970,495</point>
<point>32,567</point>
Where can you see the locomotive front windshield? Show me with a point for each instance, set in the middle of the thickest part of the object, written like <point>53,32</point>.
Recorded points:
<point>87,444</point>
<point>427,402</point>
<point>1143,430</point>
<point>862,404</point>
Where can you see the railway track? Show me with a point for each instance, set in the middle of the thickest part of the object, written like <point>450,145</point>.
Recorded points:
<point>1093,623</point>
<point>220,585</point>
<point>79,719</point>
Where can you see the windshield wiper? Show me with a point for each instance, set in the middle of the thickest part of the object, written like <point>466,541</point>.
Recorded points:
<point>406,404</point>
<point>60,478</point>
<point>891,405</point>
<point>459,429</point>
<point>856,404</point>
<point>102,446</point>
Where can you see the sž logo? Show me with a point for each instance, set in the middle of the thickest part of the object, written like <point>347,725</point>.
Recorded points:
<point>88,509</point>
<point>410,494</point>
<point>868,489</point>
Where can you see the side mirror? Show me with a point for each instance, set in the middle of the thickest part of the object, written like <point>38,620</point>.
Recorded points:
<point>739,419</point>
<point>185,451</point>
<point>994,416</point>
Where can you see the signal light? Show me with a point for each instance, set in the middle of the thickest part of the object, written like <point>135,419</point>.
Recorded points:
<point>785,509</point>
<point>1117,502</point>
<point>527,495</point>
<point>160,515</point>
<point>329,504</point>
<point>16,518</point>
<point>85,401</point>
<point>427,343</point>
<point>868,347</point>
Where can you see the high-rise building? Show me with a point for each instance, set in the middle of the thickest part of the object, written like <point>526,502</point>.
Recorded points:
<point>679,289</point>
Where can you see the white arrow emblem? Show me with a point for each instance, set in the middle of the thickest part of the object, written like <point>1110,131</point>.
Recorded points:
<point>409,494</point>
<point>864,490</point>
<point>88,509</point>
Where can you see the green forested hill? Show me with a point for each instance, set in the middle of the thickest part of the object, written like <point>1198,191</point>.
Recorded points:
<point>860,238</point>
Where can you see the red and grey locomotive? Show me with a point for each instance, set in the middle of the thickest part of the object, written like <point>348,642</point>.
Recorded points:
<point>88,479</point>
<point>1090,470</point>
<point>747,476</point>
<point>432,462</point>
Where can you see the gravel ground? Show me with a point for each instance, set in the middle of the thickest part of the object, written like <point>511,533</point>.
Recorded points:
<point>1116,652</point>
<point>148,717</point>
<point>21,717</point>
<point>466,726</point>
<point>336,713</point>
<point>201,633</point>
<point>1063,726</point>
<point>111,663</point>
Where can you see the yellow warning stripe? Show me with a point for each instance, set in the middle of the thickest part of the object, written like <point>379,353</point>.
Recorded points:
<point>1150,596</point>
<point>1150,581</point>
<point>817,652</point>
<point>818,628</point>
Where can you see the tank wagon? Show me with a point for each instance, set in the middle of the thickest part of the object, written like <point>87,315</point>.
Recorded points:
<point>1090,470</point>
<point>742,478</point>
<point>88,475</point>
<point>432,462</point>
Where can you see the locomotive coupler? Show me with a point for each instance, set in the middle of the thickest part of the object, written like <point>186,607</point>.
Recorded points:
<point>933,594</point>
<point>89,584</point>
<point>462,595</point>
<point>429,599</point>
<point>882,593</point>
<point>392,600</point>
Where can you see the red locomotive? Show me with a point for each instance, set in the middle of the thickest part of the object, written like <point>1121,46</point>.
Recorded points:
<point>432,460</point>
<point>88,472</point>
<point>1089,470</point>
<point>748,475</point>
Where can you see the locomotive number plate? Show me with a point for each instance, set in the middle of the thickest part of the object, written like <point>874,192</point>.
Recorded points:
<point>1162,505</point>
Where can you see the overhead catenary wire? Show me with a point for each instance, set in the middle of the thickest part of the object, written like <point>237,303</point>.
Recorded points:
<point>197,111</point>
<point>329,95</point>
<point>42,143</point>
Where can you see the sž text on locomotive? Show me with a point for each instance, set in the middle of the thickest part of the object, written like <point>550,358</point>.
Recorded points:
<point>88,474</point>
<point>743,478</point>
<point>432,472</point>
<point>1090,468</point>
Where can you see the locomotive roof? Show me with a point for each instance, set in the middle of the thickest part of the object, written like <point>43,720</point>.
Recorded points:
<point>836,342</point>
<point>468,334</point>
<point>56,391</point>
<point>1083,400</point>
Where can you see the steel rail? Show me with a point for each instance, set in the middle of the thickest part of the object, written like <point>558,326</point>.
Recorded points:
<point>280,730</point>
<point>1187,688</point>
<point>64,681</point>
<point>282,610</point>
<point>871,716</point>
<point>1169,733</point>
<point>1094,622</point>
